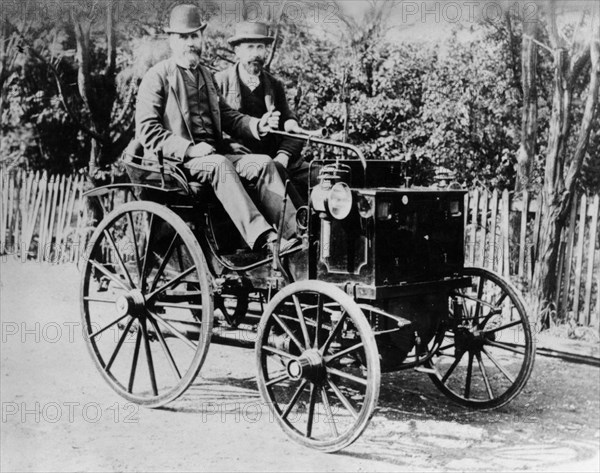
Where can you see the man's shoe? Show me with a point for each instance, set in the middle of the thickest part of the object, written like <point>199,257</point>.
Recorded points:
<point>284,246</point>
<point>290,244</point>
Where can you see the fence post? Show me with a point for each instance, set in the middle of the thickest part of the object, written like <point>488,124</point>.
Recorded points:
<point>587,316</point>
<point>3,210</point>
<point>523,233</point>
<point>493,229</point>
<point>579,255</point>
<point>505,233</point>
<point>474,210</point>
<point>484,225</point>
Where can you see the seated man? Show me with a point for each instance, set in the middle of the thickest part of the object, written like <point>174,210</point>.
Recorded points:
<point>247,87</point>
<point>180,113</point>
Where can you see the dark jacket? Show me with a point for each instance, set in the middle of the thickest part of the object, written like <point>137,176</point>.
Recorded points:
<point>162,113</point>
<point>229,85</point>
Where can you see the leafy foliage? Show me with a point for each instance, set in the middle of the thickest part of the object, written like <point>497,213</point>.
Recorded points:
<point>456,105</point>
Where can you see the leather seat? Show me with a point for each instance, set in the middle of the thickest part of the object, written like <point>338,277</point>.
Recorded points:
<point>143,170</point>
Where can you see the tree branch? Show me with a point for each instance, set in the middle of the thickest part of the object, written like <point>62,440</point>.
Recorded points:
<point>82,37</point>
<point>128,105</point>
<point>111,48</point>
<point>93,134</point>
<point>590,109</point>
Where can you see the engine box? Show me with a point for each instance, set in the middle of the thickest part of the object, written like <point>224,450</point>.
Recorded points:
<point>394,236</point>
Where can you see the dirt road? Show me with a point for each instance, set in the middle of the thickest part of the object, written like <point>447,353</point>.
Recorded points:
<point>58,413</point>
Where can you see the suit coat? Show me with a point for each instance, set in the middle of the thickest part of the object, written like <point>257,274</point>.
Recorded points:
<point>229,85</point>
<point>162,114</point>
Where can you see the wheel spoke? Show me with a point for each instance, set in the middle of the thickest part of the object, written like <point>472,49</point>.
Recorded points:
<point>164,263</point>
<point>446,347</point>
<point>318,321</point>
<point>136,352</point>
<point>334,332</point>
<point>311,410</point>
<point>98,332</point>
<point>349,376</point>
<point>170,283</point>
<point>175,305</point>
<point>276,351</point>
<point>149,357</point>
<point>287,330</point>
<point>97,299</point>
<point>504,346</point>
<point>497,329</point>
<point>278,380</point>
<point>176,332</point>
<point>165,348</point>
<point>452,367</point>
<point>502,370</point>
<point>119,258</point>
<point>330,419</point>
<point>294,399</point>
<point>146,254</point>
<point>469,376</point>
<point>138,263</point>
<point>112,276</point>
<point>479,294</point>
<point>119,344</point>
<point>487,318</point>
<point>383,332</point>
<point>486,381</point>
<point>329,359</point>
<point>343,399</point>
<point>474,299</point>
<point>499,302</point>
<point>302,321</point>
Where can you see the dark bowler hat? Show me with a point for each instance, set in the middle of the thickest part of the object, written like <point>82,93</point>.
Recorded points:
<point>251,32</point>
<point>185,19</point>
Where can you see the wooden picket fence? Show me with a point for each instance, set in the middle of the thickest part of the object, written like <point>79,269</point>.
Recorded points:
<point>41,217</point>
<point>491,242</point>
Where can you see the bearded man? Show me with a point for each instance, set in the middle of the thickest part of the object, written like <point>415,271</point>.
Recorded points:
<point>249,88</point>
<point>181,115</point>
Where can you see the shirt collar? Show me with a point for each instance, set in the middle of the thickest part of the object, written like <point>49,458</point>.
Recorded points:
<point>248,79</point>
<point>183,65</point>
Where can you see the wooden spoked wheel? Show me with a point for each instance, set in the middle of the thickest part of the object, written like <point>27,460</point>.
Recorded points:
<point>487,352</point>
<point>145,303</point>
<point>318,365</point>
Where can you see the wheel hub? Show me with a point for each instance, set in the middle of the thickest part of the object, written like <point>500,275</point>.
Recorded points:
<point>469,339</point>
<point>132,303</point>
<point>309,366</point>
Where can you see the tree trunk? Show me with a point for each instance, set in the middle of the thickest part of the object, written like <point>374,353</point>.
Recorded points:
<point>559,188</point>
<point>526,153</point>
<point>98,93</point>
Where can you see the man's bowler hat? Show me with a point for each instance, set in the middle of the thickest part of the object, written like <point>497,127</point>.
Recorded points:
<point>251,32</point>
<point>185,19</point>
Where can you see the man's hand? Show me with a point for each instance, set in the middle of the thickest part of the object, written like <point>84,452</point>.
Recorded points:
<point>269,121</point>
<point>283,159</point>
<point>200,150</point>
<point>238,148</point>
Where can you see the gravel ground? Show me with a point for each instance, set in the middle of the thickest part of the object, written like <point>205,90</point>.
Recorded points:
<point>59,415</point>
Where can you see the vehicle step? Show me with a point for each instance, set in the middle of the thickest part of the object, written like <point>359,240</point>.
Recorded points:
<point>422,369</point>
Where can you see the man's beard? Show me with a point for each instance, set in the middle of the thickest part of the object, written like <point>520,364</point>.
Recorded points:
<point>255,66</point>
<point>191,57</point>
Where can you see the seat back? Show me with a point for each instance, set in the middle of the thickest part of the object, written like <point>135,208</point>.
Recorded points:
<point>167,184</point>
<point>163,182</point>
